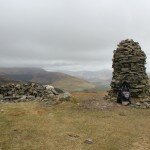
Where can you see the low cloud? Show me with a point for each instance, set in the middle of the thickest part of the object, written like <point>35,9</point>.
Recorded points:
<point>70,35</point>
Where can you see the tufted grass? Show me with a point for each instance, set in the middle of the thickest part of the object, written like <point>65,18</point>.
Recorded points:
<point>66,126</point>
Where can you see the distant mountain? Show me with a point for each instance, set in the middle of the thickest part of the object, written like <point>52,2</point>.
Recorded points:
<point>31,75</point>
<point>60,80</point>
<point>100,78</point>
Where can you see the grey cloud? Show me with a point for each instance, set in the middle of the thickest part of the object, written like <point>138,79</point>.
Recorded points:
<point>78,34</point>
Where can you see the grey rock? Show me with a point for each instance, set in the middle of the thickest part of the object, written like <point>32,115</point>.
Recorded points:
<point>23,97</point>
<point>88,141</point>
<point>32,91</point>
<point>65,96</point>
<point>1,96</point>
<point>125,103</point>
<point>147,104</point>
<point>138,104</point>
<point>143,107</point>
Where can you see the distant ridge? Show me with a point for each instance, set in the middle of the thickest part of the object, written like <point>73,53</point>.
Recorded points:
<point>60,80</point>
<point>101,78</point>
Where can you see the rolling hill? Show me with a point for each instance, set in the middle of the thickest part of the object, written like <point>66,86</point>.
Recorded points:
<point>60,80</point>
<point>71,83</point>
<point>101,78</point>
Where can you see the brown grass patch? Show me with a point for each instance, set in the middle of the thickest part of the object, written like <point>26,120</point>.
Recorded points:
<point>66,126</point>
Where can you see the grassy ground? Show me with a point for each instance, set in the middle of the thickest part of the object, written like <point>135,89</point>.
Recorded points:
<point>73,84</point>
<point>30,126</point>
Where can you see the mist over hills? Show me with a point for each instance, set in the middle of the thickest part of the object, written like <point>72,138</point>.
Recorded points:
<point>92,76</point>
<point>60,80</point>
<point>68,80</point>
<point>32,75</point>
<point>100,78</point>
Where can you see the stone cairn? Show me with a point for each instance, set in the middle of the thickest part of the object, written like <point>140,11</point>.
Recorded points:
<point>19,92</point>
<point>129,65</point>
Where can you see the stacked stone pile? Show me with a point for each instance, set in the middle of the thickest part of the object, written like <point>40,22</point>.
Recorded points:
<point>31,91</point>
<point>129,65</point>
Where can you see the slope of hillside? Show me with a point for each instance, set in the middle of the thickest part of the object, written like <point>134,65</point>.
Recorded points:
<point>73,84</point>
<point>4,80</point>
<point>31,75</point>
<point>18,70</point>
<point>92,76</point>
<point>19,74</point>
<point>61,80</point>
<point>100,78</point>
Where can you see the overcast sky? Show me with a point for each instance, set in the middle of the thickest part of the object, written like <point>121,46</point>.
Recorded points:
<point>70,34</point>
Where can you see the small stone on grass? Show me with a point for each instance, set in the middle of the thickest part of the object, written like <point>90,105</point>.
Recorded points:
<point>88,141</point>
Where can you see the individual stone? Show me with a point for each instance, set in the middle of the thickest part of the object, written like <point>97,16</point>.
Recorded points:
<point>1,96</point>
<point>147,104</point>
<point>88,141</point>
<point>73,136</point>
<point>65,96</point>
<point>2,110</point>
<point>138,104</point>
<point>23,97</point>
<point>124,103</point>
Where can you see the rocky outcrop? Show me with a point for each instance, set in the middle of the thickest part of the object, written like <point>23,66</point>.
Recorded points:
<point>32,91</point>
